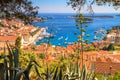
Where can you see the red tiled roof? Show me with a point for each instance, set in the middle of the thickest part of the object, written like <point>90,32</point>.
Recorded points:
<point>106,67</point>
<point>116,56</point>
<point>8,38</point>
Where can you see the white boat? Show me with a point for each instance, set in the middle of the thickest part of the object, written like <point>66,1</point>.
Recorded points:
<point>95,38</point>
<point>47,35</point>
<point>68,43</point>
<point>60,38</point>
<point>40,37</point>
<point>66,38</point>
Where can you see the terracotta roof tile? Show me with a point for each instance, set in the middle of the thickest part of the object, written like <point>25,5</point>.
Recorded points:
<point>106,67</point>
<point>8,38</point>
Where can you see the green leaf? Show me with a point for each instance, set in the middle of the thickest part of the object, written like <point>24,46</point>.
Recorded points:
<point>37,71</point>
<point>83,30</point>
<point>55,74</point>
<point>19,74</point>
<point>60,74</point>
<point>11,61</point>
<point>27,70</point>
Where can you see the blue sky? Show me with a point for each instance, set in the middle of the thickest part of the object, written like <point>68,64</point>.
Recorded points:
<point>60,6</point>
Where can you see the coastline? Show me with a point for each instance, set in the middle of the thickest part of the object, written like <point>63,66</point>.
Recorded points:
<point>41,34</point>
<point>66,27</point>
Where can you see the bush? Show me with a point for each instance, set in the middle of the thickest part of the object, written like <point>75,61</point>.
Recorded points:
<point>116,76</point>
<point>105,47</point>
<point>117,47</point>
<point>91,49</point>
<point>111,47</point>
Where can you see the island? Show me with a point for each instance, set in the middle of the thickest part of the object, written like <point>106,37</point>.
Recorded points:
<point>87,20</point>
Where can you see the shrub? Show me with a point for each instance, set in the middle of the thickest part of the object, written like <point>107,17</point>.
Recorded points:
<point>111,47</point>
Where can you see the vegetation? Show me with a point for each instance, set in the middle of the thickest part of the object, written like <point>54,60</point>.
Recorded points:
<point>117,47</point>
<point>115,27</point>
<point>12,68</point>
<point>14,26</point>
<point>116,76</point>
<point>81,41</point>
<point>18,42</point>
<point>20,71</point>
<point>34,32</point>
<point>23,65</point>
<point>109,47</point>
<point>79,4</point>
<point>34,67</point>
<point>2,25</point>
<point>20,9</point>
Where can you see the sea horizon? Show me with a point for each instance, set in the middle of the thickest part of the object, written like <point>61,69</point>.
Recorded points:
<point>76,13</point>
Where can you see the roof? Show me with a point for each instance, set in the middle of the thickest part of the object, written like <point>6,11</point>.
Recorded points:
<point>106,67</point>
<point>8,38</point>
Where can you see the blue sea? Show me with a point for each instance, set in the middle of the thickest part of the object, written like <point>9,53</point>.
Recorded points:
<point>64,28</point>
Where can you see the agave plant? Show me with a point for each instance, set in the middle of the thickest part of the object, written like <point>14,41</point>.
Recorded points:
<point>26,72</point>
<point>78,74</point>
<point>55,74</point>
<point>10,69</point>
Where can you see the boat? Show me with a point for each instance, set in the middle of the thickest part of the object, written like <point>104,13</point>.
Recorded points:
<point>46,34</point>
<point>66,38</point>
<point>68,43</point>
<point>60,38</point>
<point>95,38</point>
<point>40,37</point>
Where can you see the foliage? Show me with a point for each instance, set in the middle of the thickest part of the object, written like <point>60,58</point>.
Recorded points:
<point>75,73</point>
<point>18,42</point>
<point>2,25</point>
<point>108,31</point>
<point>105,47</point>
<point>115,27</point>
<point>81,41</point>
<point>91,48</point>
<point>111,47</point>
<point>20,9</point>
<point>79,4</point>
<point>14,26</point>
<point>34,32</point>
<point>1,71</point>
<point>105,38</point>
<point>12,70</point>
<point>103,77</point>
<point>66,68</point>
<point>42,56</point>
<point>117,47</point>
<point>116,76</point>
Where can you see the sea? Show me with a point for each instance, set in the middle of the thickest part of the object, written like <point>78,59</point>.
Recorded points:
<point>63,27</point>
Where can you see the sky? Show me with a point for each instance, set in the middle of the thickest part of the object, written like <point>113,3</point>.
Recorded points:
<point>60,6</point>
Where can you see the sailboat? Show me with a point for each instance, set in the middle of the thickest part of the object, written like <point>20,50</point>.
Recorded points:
<point>95,38</point>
